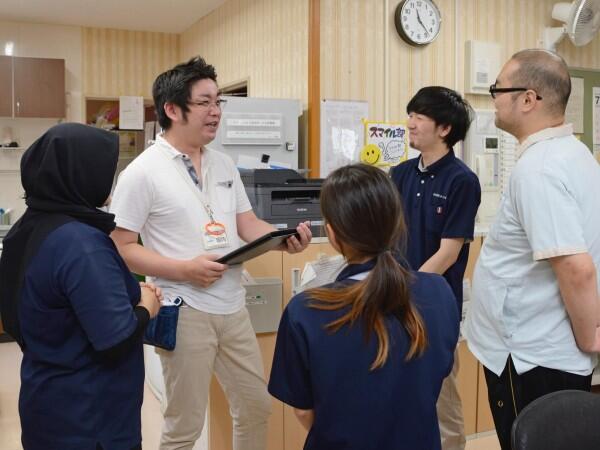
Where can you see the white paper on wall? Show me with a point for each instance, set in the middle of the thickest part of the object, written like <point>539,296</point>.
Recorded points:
<point>574,112</point>
<point>342,133</point>
<point>131,113</point>
<point>596,118</point>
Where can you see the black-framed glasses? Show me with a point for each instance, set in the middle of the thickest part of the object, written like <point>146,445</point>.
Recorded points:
<point>219,103</point>
<point>495,90</point>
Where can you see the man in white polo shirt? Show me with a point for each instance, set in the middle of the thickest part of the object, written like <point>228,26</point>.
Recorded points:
<point>189,205</point>
<point>533,320</point>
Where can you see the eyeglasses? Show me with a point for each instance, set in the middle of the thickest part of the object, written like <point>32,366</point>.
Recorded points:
<point>494,90</point>
<point>219,103</point>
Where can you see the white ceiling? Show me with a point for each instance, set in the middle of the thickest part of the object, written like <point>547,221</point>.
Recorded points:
<point>170,16</point>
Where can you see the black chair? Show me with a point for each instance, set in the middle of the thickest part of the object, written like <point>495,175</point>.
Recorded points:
<point>563,420</point>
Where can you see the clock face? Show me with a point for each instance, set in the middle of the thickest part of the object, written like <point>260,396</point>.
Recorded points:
<point>418,21</point>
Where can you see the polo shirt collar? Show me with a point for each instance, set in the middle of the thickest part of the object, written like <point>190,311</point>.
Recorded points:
<point>544,135</point>
<point>354,269</point>
<point>173,153</point>
<point>167,148</point>
<point>436,166</point>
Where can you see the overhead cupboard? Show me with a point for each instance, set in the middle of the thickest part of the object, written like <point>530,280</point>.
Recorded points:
<point>32,87</point>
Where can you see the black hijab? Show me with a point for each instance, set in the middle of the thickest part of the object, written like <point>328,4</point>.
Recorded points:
<point>67,174</point>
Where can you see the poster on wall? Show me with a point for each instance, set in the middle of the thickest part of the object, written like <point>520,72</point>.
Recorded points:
<point>596,119</point>
<point>596,122</point>
<point>386,143</point>
<point>342,133</point>
<point>131,113</point>
<point>574,112</point>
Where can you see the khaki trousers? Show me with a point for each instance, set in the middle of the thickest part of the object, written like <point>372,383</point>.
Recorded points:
<point>227,346</point>
<point>449,410</point>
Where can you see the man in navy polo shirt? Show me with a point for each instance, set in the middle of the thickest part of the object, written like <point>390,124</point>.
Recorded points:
<point>441,196</point>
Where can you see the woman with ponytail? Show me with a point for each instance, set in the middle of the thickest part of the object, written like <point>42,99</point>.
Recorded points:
<point>362,360</point>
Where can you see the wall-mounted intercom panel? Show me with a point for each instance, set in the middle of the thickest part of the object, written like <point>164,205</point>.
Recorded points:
<point>482,65</point>
<point>491,154</point>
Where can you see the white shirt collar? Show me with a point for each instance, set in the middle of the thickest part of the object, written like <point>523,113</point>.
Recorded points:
<point>167,148</point>
<point>543,135</point>
<point>173,153</point>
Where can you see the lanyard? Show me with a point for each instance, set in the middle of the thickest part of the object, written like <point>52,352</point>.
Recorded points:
<point>201,195</point>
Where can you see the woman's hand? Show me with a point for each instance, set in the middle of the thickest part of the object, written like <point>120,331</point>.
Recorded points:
<point>150,299</point>
<point>156,289</point>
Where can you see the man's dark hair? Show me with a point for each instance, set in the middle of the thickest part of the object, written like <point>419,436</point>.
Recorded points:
<point>445,107</point>
<point>174,86</point>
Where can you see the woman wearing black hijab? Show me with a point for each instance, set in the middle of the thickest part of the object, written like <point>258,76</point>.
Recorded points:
<point>68,299</point>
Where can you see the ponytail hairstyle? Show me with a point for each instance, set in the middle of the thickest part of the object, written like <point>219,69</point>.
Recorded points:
<point>362,206</point>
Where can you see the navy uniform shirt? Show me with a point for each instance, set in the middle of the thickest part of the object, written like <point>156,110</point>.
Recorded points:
<point>439,203</point>
<point>392,407</point>
<point>78,298</point>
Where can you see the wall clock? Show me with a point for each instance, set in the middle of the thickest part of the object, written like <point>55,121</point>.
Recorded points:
<point>418,22</point>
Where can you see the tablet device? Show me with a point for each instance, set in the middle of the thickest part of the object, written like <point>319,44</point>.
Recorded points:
<point>256,248</point>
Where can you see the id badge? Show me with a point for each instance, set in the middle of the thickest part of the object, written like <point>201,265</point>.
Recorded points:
<point>214,236</point>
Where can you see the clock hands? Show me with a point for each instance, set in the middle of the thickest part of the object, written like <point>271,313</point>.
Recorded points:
<point>420,21</point>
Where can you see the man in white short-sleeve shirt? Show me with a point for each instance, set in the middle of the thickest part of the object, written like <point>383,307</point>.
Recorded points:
<point>533,320</point>
<point>189,205</point>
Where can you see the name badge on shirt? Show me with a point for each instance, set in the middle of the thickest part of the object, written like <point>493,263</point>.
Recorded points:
<point>227,183</point>
<point>214,236</point>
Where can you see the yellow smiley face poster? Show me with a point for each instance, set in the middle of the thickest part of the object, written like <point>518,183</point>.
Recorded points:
<point>386,143</point>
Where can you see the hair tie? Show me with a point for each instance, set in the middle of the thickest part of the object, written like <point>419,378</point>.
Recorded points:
<point>385,250</point>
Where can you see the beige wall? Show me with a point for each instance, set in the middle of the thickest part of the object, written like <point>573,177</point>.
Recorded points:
<point>49,41</point>
<point>38,41</point>
<point>264,41</point>
<point>98,63</point>
<point>120,62</point>
<point>353,43</point>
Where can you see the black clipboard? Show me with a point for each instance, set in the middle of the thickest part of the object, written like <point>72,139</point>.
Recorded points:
<point>257,247</point>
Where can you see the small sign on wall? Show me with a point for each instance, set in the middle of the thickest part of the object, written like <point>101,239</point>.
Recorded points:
<point>386,143</point>
<point>131,113</point>
<point>596,118</point>
<point>253,129</point>
<point>342,131</point>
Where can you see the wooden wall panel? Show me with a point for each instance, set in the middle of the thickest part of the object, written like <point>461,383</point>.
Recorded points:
<point>262,41</point>
<point>121,62</point>
<point>266,43</point>
<point>352,48</point>
<point>352,40</point>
